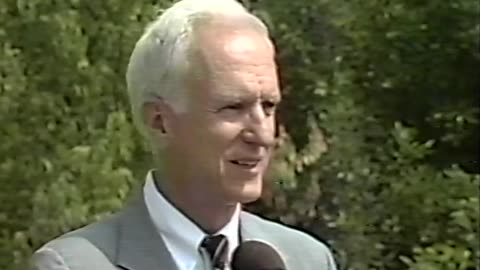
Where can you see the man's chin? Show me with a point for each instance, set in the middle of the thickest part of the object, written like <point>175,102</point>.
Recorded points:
<point>244,190</point>
<point>248,196</point>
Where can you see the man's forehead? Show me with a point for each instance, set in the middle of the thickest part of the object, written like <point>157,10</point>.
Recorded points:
<point>241,43</point>
<point>221,38</point>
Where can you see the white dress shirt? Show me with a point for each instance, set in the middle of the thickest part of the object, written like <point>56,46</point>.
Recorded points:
<point>183,237</point>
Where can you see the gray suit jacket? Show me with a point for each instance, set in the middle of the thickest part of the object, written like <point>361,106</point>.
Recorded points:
<point>128,240</point>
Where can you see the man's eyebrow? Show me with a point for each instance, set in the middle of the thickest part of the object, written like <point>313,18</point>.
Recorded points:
<point>272,97</point>
<point>229,98</point>
<point>234,96</point>
<point>240,96</point>
<point>276,98</point>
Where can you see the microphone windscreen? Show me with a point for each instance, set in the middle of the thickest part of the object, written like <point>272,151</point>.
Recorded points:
<point>255,255</point>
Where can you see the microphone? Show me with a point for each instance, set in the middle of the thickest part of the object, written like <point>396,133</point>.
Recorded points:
<point>255,255</point>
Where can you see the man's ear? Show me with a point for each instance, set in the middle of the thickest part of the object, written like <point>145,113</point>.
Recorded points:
<point>158,115</point>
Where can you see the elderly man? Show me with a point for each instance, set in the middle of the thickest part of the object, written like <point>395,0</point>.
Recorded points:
<point>203,88</point>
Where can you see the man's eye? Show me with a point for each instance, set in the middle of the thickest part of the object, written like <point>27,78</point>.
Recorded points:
<point>235,106</point>
<point>269,107</point>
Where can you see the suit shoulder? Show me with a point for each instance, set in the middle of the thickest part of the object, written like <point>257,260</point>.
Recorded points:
<point>96,240</point>
<point>103,231</point>
<point>70,253</point>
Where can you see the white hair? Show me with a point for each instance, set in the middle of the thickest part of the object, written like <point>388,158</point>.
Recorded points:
<point>160,62</point>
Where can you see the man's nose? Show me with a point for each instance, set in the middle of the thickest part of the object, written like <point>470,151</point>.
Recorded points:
<point>260,128</point>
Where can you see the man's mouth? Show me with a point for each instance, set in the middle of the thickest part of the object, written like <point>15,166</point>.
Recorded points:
<point>246,163</point>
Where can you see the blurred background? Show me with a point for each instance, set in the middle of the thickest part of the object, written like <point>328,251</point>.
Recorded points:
<point>378,136</point>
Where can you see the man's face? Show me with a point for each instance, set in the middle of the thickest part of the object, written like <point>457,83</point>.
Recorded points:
<point>223,143</point>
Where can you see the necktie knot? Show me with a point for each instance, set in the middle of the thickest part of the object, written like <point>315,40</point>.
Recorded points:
<point>217,248</point>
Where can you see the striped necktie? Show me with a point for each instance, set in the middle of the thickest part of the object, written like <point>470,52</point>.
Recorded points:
<point>217,248</point>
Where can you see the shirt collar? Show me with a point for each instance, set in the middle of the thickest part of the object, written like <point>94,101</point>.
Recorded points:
<point>182,237</point>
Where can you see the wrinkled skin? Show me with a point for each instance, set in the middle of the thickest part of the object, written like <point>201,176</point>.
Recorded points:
<point>219,149</point>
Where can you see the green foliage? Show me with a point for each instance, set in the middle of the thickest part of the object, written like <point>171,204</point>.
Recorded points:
<point>441,257</point>
<point>378,143</point>
<point>67,143</point>
<point>391,86</point>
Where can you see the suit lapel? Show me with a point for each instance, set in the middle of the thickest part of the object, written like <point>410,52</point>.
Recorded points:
<point>253,228</point>
<point>249,229</point>
<point>140,245</point>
